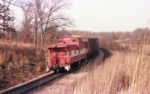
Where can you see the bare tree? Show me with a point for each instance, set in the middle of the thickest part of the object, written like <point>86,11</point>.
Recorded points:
<point>27,24</point>
<point>50,16</point>
<point>46,14</point>
<point>6,18</point>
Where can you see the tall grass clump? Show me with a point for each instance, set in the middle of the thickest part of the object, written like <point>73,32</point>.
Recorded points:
<point>125,72</point>
<point>19,64</point>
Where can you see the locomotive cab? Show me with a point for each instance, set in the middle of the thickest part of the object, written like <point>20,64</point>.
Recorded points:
<point>58,57</point>
<point>70,52</point>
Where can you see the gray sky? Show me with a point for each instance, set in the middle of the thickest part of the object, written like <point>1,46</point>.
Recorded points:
<point>107,15</point>
<point>110,15</point>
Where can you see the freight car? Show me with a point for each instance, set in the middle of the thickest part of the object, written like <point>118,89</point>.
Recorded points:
<point>71,51</point>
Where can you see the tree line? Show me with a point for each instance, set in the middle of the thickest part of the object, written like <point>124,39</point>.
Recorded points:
<point>42,18</point>
<point>117,40</point>
<point>44,21</point>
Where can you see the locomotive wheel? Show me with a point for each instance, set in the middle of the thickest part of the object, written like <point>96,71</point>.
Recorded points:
<point>56,70</point>
<point>62,70</point>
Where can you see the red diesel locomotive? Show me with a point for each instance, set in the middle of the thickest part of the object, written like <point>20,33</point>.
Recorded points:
<point>71,51</point>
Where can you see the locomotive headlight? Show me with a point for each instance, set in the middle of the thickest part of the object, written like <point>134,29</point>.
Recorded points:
<point>68,67</point>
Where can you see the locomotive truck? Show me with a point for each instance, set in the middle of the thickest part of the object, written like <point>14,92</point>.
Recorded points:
<point>71,51</point>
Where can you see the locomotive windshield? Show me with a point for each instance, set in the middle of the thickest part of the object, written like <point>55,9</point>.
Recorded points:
<point>59,51</point>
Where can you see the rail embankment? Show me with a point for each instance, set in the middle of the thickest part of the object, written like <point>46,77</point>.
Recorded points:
<point>19,64</point>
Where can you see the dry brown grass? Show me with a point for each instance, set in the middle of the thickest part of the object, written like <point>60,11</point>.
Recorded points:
<point>19,64</point>
<point>15,43</point>
<point>123,73</point>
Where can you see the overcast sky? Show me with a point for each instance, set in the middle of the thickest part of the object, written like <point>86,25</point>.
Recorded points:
<point>110,15</point>
<point>107,15</point>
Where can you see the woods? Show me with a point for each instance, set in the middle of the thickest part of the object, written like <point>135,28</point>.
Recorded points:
<point>6,20</point>
<point>118,40</point>
<point>44,21</point>
<point>40,17</point>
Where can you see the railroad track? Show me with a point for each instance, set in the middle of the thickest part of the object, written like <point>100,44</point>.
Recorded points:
<point>32,84</point>
<point>35,83</point>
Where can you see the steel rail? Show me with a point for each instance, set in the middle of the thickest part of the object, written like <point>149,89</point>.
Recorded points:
<point>32,84</point>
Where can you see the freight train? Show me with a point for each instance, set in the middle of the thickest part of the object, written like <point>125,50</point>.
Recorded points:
<point>71,51</point>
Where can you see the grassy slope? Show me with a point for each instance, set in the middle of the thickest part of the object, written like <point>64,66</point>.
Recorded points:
<point>123,73</point>
<point>19,64</point>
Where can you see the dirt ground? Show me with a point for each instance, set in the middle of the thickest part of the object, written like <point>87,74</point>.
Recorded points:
<point>63,85</point>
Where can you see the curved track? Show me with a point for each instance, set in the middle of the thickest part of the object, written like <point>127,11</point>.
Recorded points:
<point>32,84</point>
